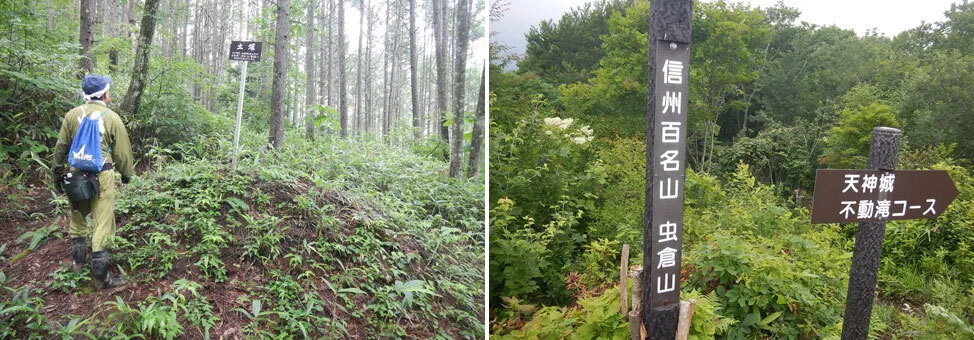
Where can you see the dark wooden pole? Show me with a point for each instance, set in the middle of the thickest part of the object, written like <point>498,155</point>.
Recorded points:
<point>669,21</point>
<point>883,149</point>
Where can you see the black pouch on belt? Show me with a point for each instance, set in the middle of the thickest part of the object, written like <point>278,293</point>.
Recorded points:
<point>80,186</point>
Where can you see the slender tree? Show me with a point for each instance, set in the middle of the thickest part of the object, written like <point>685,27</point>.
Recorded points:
<point>309,68</point>
<point>342,104</point>
<point>439,27</point>
<point>279,87</point>
<point>459,71</point>
<point>477,135</point>
<point>140,70</point>
<point>358,75</point>
<point>368,70</point>
<point>386,86</point>
<point>414,88</point>
<point>86,37</point>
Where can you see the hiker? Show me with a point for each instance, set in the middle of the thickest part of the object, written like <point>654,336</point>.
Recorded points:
<point>90,178</point>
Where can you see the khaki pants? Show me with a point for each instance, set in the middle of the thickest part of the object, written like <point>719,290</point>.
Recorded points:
<point>102,209</point>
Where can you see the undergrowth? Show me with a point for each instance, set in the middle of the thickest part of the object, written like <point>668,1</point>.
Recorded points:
<point>330,238</point>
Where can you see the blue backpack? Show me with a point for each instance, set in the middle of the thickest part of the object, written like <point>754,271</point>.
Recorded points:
<point>85,152</point>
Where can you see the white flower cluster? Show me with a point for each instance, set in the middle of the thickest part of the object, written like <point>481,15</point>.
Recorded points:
<point>584,135</point>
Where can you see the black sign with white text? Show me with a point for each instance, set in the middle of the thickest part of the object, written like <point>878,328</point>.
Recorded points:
<point>245,50</point>
<point>671,98</point>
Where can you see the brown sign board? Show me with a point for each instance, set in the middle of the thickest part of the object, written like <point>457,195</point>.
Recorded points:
<point>245,50</point>
<point>671,98</point>
<point>877,195</point>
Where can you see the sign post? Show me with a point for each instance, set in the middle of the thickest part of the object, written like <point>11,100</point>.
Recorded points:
<point>666,120</point>
<point>245,51</point>
<point>872,197</point>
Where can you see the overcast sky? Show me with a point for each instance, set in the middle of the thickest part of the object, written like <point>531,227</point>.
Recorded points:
<point>889,17</point>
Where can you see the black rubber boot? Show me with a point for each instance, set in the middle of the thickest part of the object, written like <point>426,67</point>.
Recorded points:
<point>79,253</point>
<point>100,262</point>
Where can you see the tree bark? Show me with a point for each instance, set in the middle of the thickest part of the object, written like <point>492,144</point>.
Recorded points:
<point>392,106</point>
<point>309,67</point>
<point>477,136</point>
<point>358,75</point>
<point>86,37</point>
<point>386,86</point>
<point>342,104</point>
<point>459,71</point>
<point>322,56</point>
<point>368,73</point>
<point>414,89</point>
<point>279,90</point>
<point>140,70</point>
<point>330,52</point>
<point>439,9</point>
<point>115,8</point>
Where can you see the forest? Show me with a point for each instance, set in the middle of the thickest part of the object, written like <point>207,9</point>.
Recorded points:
<point>353,206</point>
<point>772,99</point>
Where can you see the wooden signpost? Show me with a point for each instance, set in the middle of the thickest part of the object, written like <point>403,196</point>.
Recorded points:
<point>871,197</point>
<point>245,51</point>
<point>666,127</point>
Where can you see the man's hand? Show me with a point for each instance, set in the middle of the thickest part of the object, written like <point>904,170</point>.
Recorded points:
<point>125,179</point>
<point>57,184</point>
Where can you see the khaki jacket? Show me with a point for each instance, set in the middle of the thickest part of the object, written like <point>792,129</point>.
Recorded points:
<point>115,145</point>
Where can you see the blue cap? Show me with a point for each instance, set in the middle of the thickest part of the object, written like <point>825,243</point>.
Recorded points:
<point>94,83</point>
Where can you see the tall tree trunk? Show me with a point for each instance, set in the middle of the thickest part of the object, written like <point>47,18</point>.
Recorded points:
<point>330,52</point>
<point>322,56</point>
<point>50,16</point>
<point>184,24</point>
<point>133,97</point>
<point>279,90</point>
<point>86,38</point>
<point>358,75</point>
<point>393,90</point>
<point>368,72</point>
<point>342,104</point>
<point>414,88</point>
<point>115,9</point>
<point>459,71</point>
<point>386,86</point>
<point>197,46</point>
<point>439,26</point>
<point>477,135</point>
<point>309,69</point>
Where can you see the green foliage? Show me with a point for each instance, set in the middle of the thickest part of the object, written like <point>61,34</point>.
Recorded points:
<point>781,98</point>
<point>847,144</point>
<point>40,235</point>
<point>21,316</point>
<point>67,280</point>
<point>560,52</point>
<point>599,318</point>
<point>934,106</point>
<point>770,270</point>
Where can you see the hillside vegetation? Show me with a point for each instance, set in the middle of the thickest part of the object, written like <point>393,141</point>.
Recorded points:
<point>771,101</point>
<point>320,240</point>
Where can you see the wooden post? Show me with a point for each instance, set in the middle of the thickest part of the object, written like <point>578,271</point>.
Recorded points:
<point>883,149</point>
<point>635,326</point>
<point>635,316</point>
<point>686,314</point>
<point>666,129</point>
<point>623,271</point>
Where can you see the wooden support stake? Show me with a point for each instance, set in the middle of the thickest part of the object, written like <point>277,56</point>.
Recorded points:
<point>686,314</point>
<point>623,270</point>
<point>636,328</point>
<point>634,325</point>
